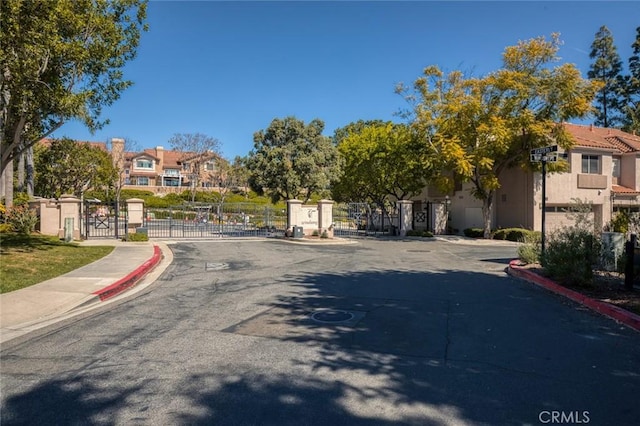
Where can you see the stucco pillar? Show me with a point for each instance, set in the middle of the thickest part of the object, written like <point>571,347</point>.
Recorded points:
<point>69,209</point>
<point>325,217</point>
<point>135,212</point>
<point>405,216</point>
<point>294,214</point>
<point>48,216</point>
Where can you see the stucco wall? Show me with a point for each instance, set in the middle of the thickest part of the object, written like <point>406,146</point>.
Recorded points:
<point>514,199</point>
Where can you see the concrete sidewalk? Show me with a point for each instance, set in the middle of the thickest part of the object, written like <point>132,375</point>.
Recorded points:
<point>39,305</point>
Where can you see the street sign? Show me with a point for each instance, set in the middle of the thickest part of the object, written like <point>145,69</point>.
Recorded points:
<point>544,155</point>
<point>547,154</point>
<point>545,150</point>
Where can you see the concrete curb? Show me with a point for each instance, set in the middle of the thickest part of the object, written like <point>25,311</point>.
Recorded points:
<point>131,279</point>
<point>623,316</point>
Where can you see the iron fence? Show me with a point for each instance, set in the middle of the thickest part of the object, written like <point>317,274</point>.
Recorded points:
<point>221,220</point>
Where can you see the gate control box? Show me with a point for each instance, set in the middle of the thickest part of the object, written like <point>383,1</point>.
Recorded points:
<point>298,232</point>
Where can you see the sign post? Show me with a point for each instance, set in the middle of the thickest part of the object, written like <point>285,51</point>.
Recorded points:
<point>542,155</point>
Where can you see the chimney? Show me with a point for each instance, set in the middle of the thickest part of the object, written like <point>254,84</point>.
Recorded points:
<point>160,155</point>
<point>117,152</point>
<point>591,127</point>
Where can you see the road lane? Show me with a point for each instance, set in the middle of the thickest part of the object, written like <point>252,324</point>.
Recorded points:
<point>431,333</point>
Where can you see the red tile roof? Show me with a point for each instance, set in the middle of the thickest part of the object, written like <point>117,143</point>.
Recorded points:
<point>588,136</point>
<point>623,190</point>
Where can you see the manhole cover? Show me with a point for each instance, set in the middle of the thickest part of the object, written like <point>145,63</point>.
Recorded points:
<point>332,316</point>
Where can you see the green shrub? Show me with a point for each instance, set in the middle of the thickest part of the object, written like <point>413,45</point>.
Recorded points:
<point>570,256</point>
<point>474,232</point>
<point>620,222</point>
<point>325,234</point>
<point>158,203</point>
<point>21,199</point>
<point>529,251</point>
<point>427,234</point>
<point>315,233</point>
<point>125,194</point>
<point>513,234</point>
<point>22,219</point>
<point>135,237</point>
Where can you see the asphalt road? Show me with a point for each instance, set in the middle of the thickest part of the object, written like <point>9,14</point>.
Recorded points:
<point>376,333</point>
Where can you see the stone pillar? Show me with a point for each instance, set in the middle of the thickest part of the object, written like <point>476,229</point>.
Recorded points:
<point>294,214</point>
<point>135,211</point>
<point>405,216</point>
<point>69,208</point>
<point>325,217</point>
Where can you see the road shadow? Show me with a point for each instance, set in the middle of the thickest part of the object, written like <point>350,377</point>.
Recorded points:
<point>80,400</point>
<point>436,347</point>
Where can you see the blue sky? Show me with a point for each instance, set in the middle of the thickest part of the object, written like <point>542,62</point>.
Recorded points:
<point>227,69</point>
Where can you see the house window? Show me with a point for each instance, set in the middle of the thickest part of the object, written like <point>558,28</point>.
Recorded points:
<point>143,181</point>
<point>590,164</point>
<point>144,164</point>
<point>209,167</point>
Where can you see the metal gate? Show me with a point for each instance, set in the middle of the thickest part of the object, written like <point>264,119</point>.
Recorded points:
<point>360,219</point>
<point>103,219</point>
<point>215,220</point>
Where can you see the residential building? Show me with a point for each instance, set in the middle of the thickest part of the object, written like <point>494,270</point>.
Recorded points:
<point>604,171</point>
<point>164,171</point>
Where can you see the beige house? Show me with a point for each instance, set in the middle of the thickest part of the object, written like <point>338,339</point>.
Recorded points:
<point>163,171</point>
<point>604,170</point>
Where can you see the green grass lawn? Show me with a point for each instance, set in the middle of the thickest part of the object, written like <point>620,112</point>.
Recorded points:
<point>30,259</point>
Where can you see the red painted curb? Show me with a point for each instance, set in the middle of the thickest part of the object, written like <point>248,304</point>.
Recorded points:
<point>131,279</point>
<point>621,315</point>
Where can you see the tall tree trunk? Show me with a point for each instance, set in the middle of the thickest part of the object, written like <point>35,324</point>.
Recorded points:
<point>487,207</point>
<point>21,174</point>
<point>30,181</point>
<point>7,177</point>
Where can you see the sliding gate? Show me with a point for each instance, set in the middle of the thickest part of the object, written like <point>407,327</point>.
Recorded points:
<point>360,219</point>
<point>215,221</point>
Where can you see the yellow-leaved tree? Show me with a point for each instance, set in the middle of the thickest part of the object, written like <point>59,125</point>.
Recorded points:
<point>478,127</point>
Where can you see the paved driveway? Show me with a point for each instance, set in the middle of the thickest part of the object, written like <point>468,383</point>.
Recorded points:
<point>380,332</point>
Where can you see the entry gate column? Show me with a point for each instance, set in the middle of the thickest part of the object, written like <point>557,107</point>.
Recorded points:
<point>405,216</point>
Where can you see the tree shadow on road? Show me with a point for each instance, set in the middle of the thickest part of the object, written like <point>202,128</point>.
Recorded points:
<point>423,347</point>
<point>76,401</point>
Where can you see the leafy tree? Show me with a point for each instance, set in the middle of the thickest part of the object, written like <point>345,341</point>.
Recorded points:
<point>60,60</point>
<point>606,68</point>
<point>380,160</point>
<point>292,160</point>
<point>69,167</point>
<point>200,157</point>
<point>630,89</point>
<point>479,127</point>
<point>355,127</point>
<point>240,174</point>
